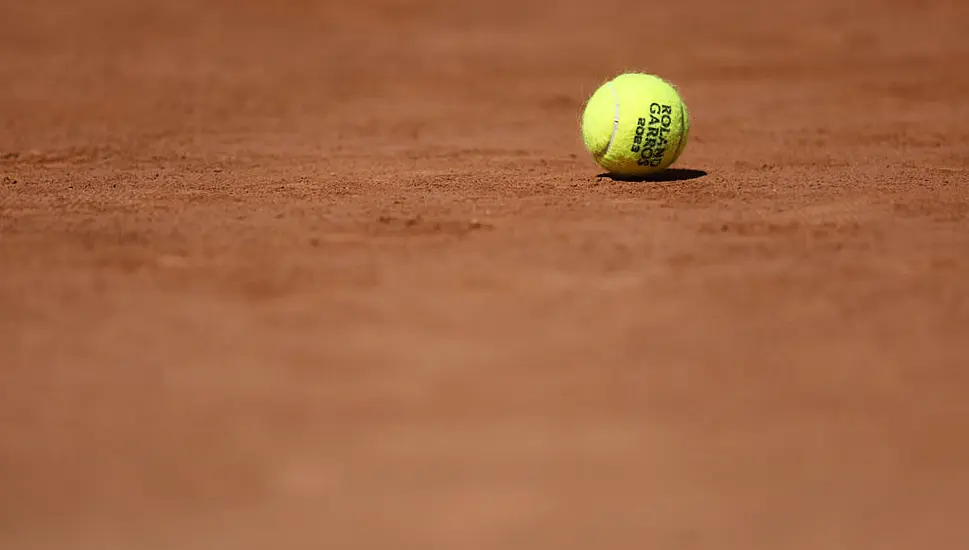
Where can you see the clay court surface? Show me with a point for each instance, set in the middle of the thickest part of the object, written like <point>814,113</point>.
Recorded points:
<point>341,275</point>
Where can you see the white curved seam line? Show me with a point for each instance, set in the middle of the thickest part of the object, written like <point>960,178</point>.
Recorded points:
<point>615,124</point>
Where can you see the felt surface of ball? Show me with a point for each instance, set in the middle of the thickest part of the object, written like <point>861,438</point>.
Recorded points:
<point>635,125</point>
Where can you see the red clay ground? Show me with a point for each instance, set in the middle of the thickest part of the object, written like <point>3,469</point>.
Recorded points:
<point>323,276</point>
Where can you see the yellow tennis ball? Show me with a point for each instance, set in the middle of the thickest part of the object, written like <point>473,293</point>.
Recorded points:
<point>635,124</point>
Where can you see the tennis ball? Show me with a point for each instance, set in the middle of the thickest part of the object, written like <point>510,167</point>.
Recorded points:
<point>635,124</point>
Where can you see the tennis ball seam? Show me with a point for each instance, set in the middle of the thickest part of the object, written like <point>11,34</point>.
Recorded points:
<point>615,121</point>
